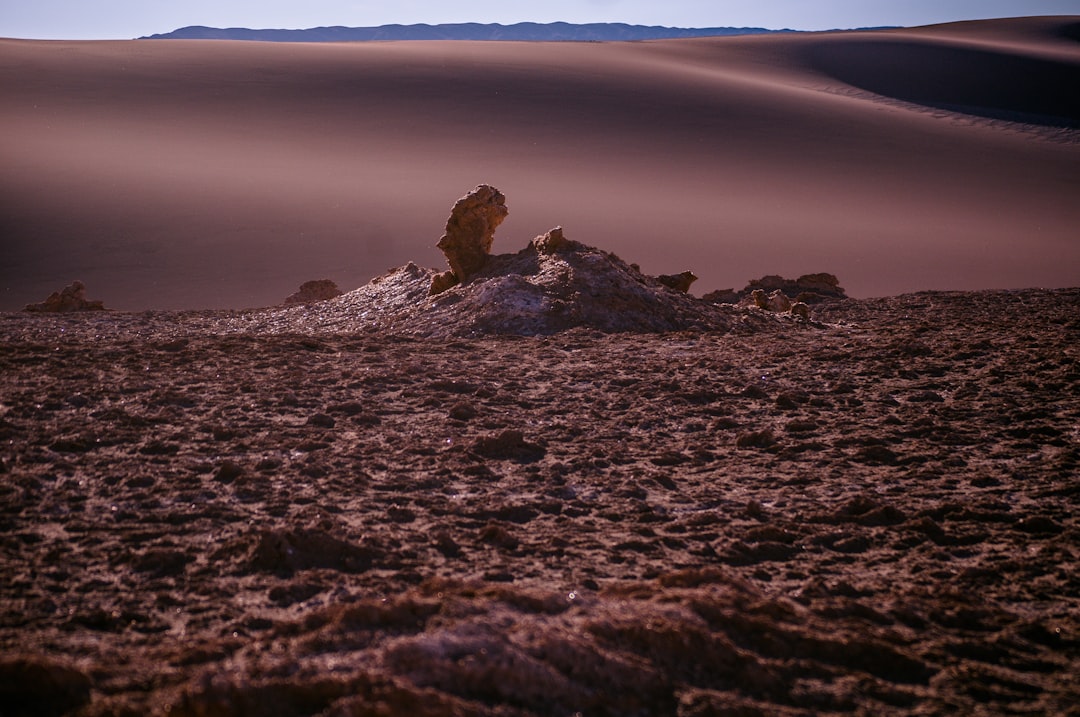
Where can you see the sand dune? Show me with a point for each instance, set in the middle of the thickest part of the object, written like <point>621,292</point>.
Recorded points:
<point>189,174</point>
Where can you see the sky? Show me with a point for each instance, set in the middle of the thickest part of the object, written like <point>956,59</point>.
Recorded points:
<point>123,19</point>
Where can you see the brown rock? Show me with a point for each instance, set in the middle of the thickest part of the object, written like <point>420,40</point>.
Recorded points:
<point>71,298</point>
<point>778,302</point>
<point>442,282</point>
<point>678,282</point>
<point>312,291</point>
<point>552,242</point>
<point>470,230</point>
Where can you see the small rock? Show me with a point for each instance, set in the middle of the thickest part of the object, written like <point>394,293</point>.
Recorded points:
<point>286,551</point>
<point>509,443</point>
<point>462,412</point>
<point>228,472</point>
<point>756,439</point>
<point>442,282</point>
<point>678,282</point>
<point>552,241</point>
<point>321,420</point>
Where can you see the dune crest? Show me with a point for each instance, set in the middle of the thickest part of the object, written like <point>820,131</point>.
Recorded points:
<point>215,174</point>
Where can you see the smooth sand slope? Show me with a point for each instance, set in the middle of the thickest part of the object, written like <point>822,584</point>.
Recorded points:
<point>187,174</point>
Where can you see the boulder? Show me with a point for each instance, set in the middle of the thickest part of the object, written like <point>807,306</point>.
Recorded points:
<point>470,230</point>
<point>312,291</point>
<point>778,302</point>
<point>70,298</point>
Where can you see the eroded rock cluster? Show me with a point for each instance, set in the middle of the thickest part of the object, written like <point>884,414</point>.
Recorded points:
<point>70,298</point>
<point>808,288</point>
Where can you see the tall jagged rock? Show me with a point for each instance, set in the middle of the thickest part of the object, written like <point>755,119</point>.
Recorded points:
<point>470,231</point>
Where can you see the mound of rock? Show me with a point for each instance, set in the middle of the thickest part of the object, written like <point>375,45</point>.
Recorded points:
<point>312,291</point>
<point>808,288</point>
<point>70,298</point>
<point>551,285</point>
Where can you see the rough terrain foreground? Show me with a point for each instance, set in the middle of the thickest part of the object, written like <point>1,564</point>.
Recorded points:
<point>873,515</point>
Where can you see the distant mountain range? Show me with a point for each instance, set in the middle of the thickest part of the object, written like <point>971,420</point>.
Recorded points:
<point>522,31</point>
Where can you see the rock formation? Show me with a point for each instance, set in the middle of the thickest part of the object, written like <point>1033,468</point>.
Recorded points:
<point>312,291</point>
<point>551,285</point>
<point>678,282</point>
<point>470,231</point>
<point>553,241</point>
<point>808,288</point>
<point>71,298</point>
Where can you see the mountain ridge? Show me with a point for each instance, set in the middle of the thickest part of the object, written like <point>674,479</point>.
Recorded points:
<point>522,31</point>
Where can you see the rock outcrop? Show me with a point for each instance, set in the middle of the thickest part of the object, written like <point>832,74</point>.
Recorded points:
<point>775,301</point>
<point>312,291</point>
<point>470,231</point>
<point>70,298</point>
<point>552,285</point>
<point>808,288</point>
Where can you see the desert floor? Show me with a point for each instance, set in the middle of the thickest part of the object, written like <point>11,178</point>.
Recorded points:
<point>197,175</point>
<point>873,514</point>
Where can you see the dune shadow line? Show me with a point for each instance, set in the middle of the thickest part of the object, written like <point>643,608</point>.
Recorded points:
<point>1071,31</point>
<point>982,83</point>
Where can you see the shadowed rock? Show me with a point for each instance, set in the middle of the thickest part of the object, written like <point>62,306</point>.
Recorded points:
<point>470,231</point>
<point>312,291</point>
<point>678,282</point>
<point>71,298</point>
<point>37,686</point>
<point>808,288</point>
<point>287,551</point>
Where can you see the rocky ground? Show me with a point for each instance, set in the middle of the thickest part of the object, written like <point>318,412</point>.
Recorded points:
<point>230,514</point>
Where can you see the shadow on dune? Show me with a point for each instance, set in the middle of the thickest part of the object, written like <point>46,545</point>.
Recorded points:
<point>1070,31</point>
<point>975,82</point>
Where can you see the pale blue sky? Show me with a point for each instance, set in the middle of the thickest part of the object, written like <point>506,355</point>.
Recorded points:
<point>118,19</point>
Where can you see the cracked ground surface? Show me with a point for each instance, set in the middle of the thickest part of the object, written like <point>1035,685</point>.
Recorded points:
<point>874,515</point>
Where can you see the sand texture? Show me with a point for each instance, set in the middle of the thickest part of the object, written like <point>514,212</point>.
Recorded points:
<point>225,513</point>
<point>204,174</point>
